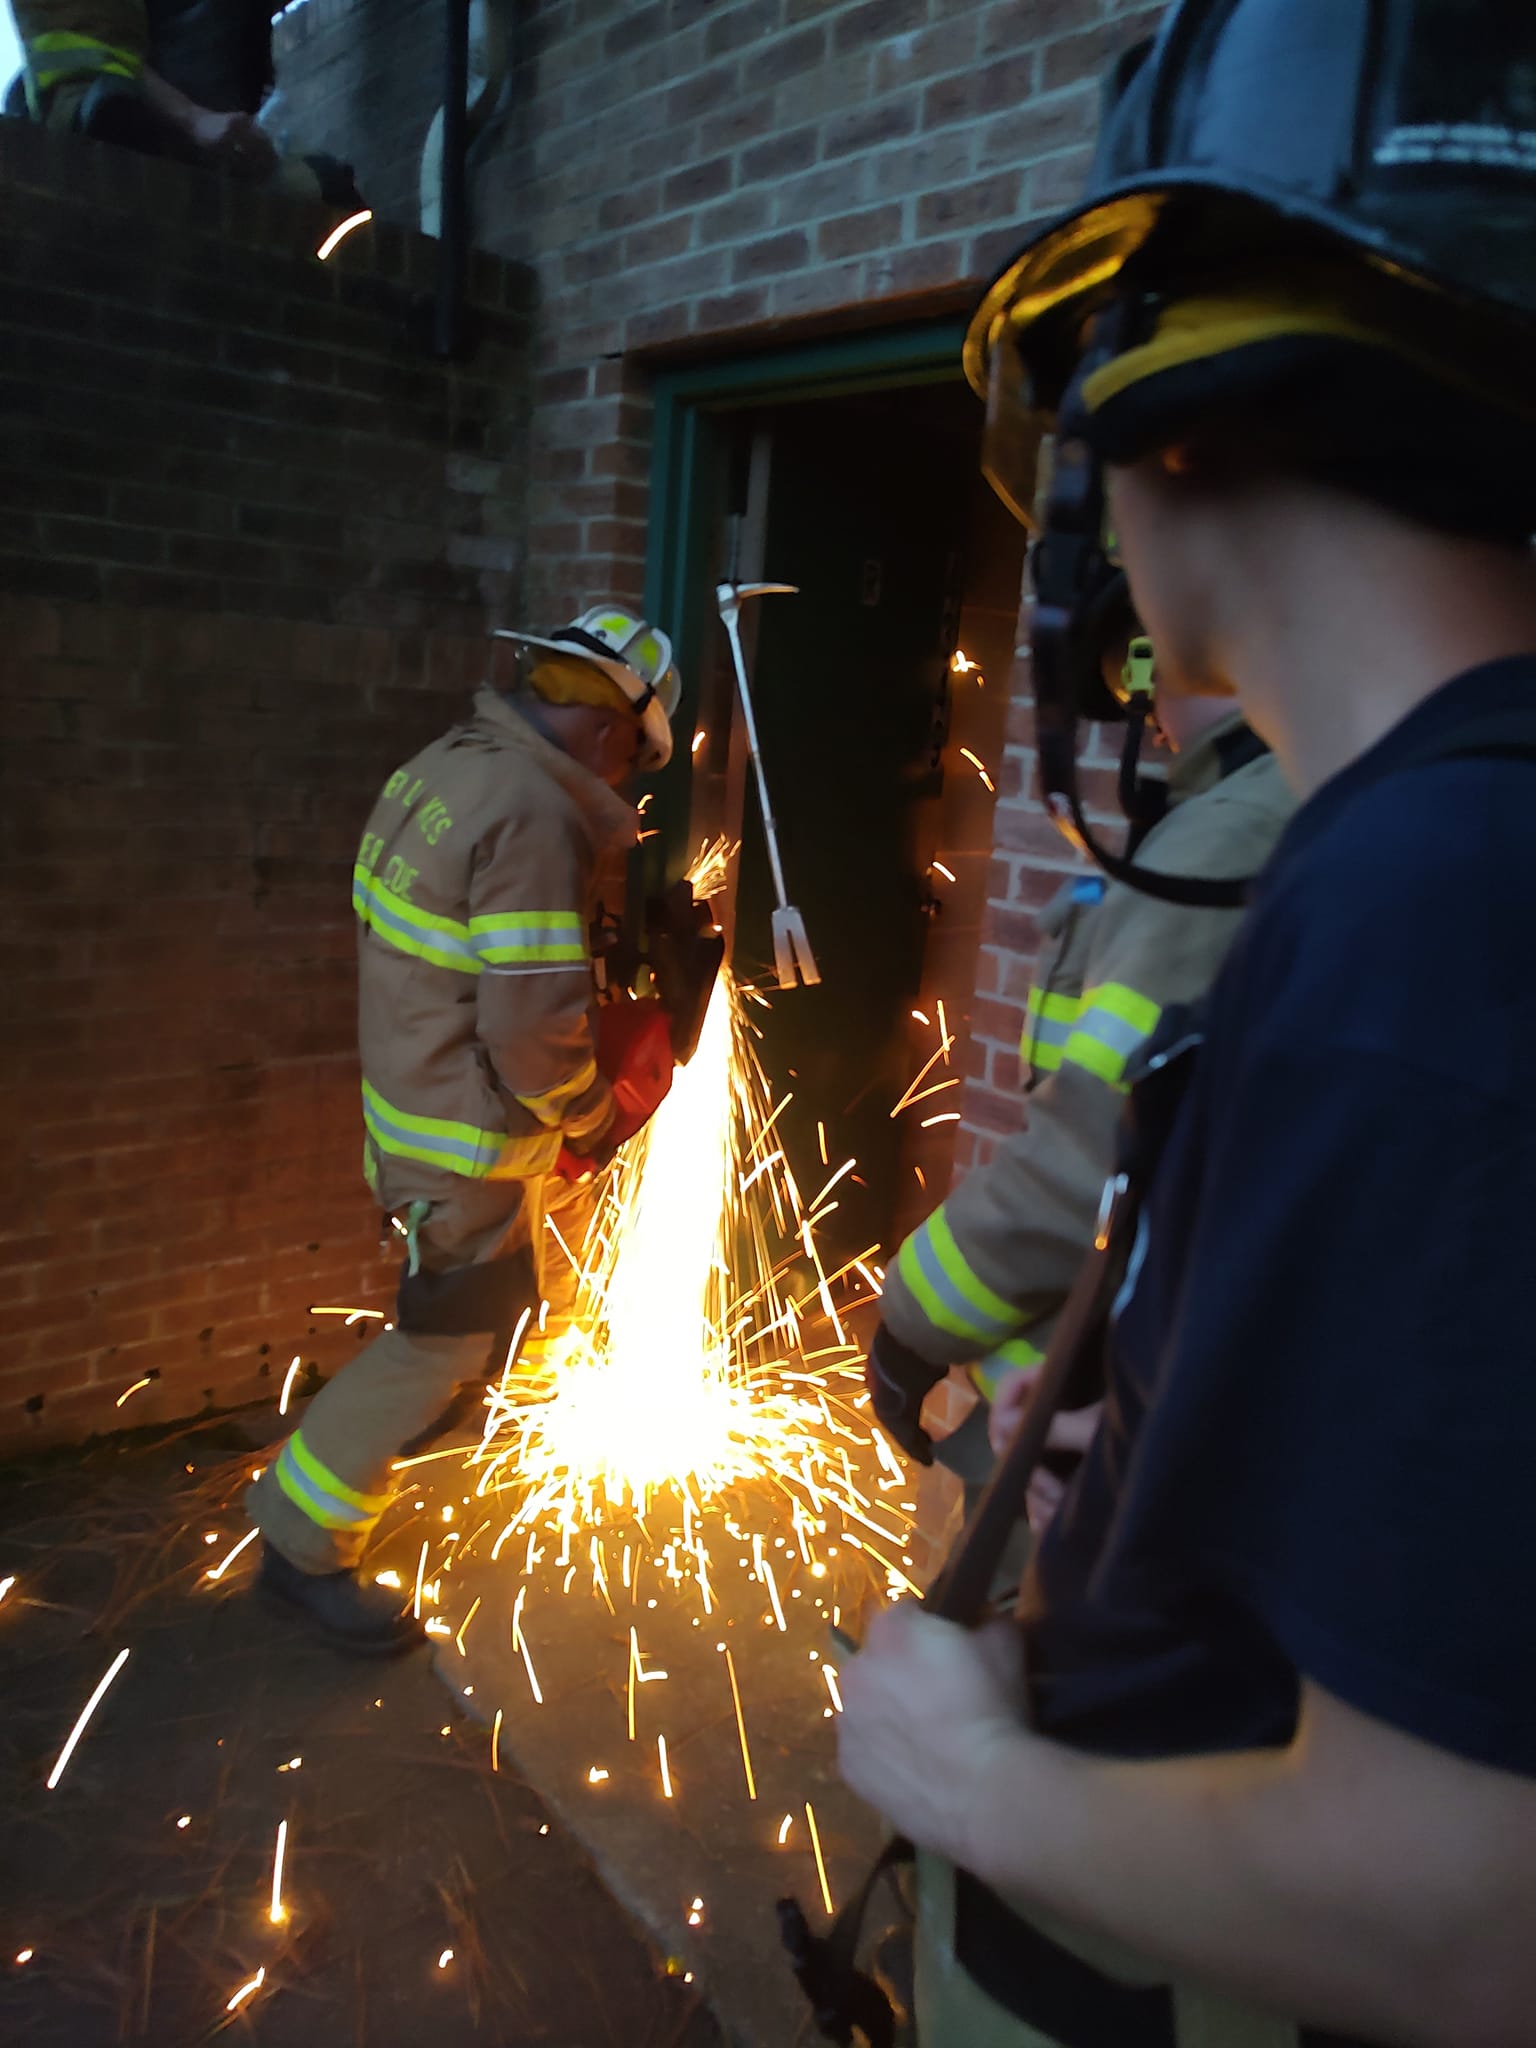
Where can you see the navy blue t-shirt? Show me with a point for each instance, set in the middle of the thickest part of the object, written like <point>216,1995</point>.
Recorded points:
<point>1319,1447</point>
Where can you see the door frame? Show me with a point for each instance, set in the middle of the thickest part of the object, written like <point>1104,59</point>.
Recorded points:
<point>688,400</point>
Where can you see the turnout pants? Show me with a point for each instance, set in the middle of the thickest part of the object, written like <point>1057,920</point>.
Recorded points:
<point>318,1501</point>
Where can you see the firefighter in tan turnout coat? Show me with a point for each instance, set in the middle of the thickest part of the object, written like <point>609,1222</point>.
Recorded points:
<point>471,889</point>
<point>979,1282</point>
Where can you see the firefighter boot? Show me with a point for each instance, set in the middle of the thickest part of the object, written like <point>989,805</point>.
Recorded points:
<point>364,1621</point>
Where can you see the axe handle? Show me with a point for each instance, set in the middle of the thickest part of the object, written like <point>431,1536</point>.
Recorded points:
<point>749,719</point>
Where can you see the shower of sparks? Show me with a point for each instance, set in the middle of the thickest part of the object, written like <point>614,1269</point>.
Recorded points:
<point>277,1913</point>
<point>25,1955</point>
<point>217,1571</point>
<point>248,1989</point>
<point>445,1959</point>
<point>699,1409</point>
<point>698,739</point>
<point>830,1675</point>
<point>784,1827</point>
<point>821,1868</point>
<point>6,1585</point>
<point>940,869</point>
<point>673,1379</point>
<point>962,664</point>
<point>137,1387</point>
<point>288,1379</point>
<point>86,1712</point>
<point>947,1116</point>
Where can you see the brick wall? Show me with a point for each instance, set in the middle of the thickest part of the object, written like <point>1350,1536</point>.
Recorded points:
<point>692,175</point>
<point>248,532</point>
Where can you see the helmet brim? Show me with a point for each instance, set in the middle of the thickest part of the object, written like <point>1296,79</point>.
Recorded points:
<point>1049,288</point>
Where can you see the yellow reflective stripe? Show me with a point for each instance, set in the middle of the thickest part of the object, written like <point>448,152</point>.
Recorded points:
<point>511,938</point>
<point>436,1141</point>
<point>61,54</point>
<point>1114,1022</point>
<point>950,1293</point>
<point>314,1509</point>
<point>1058,1009</point>
<point>1048,1026</point>
<point>322,1475</point>
<point>551,1106</point>
<point>442,941</point>
<point>318,1494</point>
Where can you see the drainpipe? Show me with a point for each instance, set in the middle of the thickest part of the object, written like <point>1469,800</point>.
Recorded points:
<point>448,314</point>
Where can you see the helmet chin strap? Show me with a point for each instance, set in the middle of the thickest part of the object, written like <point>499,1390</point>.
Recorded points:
<point>1070,565</point>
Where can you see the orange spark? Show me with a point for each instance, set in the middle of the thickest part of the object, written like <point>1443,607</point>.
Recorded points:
<point>741,1726</point>
<point>821,1868</point>
<point>86,1712</point>
<point>344,228</point>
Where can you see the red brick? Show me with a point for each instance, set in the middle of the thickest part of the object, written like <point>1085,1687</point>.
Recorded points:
<point>1038,127</point>
<point>780,155</point>
<point>634,204</point>
<point>785,58</point>
<point>867,127</point>
<point>1089,52</point>
<point>927,267</point>
<point>876,19</point>
<point>1057,183</point>
<point>876,227</point>
<point>765,258</point>
<point>965,206</point>
<point>696,183</point>
<point>723,311</point>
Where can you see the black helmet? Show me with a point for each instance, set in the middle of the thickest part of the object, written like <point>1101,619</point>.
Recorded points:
<point>1320,208</point>
<point>1402,133</point>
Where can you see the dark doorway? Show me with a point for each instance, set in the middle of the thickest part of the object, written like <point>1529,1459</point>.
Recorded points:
<point>881,693</point>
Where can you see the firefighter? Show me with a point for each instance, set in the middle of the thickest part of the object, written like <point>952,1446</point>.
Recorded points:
<point>1255,1760</point>
<point>977,1284</point>
<point>472,891</point>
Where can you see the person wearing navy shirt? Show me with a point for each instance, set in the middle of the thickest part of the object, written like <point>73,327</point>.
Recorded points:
<point>1255,1761</point>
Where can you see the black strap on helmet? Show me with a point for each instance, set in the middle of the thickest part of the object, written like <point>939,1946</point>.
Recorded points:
<point>1071,564</point>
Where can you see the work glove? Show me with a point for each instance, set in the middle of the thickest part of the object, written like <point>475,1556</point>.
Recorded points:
<point>899,1382</point>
